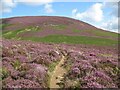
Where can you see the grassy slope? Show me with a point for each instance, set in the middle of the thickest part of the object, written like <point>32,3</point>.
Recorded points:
<point>63,38</point>
<point>4,25</point>
<point>14,34</point>
<point>73,40</point>
<point>103,33</point>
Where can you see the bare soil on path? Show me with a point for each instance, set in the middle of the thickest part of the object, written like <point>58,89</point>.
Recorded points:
<point>57,74</point>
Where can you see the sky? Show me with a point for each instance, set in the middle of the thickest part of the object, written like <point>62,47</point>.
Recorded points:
<point>103,15</point>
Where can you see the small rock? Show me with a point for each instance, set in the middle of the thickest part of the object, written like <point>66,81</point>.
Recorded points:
<point>92,54</point>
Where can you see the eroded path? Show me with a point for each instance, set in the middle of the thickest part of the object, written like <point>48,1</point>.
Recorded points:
<point>57,74</point>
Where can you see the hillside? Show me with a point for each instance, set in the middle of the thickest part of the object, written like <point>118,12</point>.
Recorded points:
<point>57,52</point>
<point>56,29</point>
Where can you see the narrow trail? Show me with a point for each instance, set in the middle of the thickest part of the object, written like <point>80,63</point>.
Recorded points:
<point>57,74</point>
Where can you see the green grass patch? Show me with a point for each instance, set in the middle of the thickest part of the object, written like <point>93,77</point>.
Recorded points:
<point>14,34</point>
<point>2,26</point>
<point>5,73</point>
<point>51,68</point>
<point>11,34</point>
<point>76,30</point>
<point>16,64</point>
<point>33,28</point>
<point>59,27</point>
<point>103,33</point>
<point>74,40</point>
<point>106,55</point>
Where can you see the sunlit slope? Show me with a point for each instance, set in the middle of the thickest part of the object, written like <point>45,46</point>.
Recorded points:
<point>56,30</point>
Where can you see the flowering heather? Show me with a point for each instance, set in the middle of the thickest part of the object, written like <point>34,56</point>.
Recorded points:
<point>92,68</point>
<point>27,65</point>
